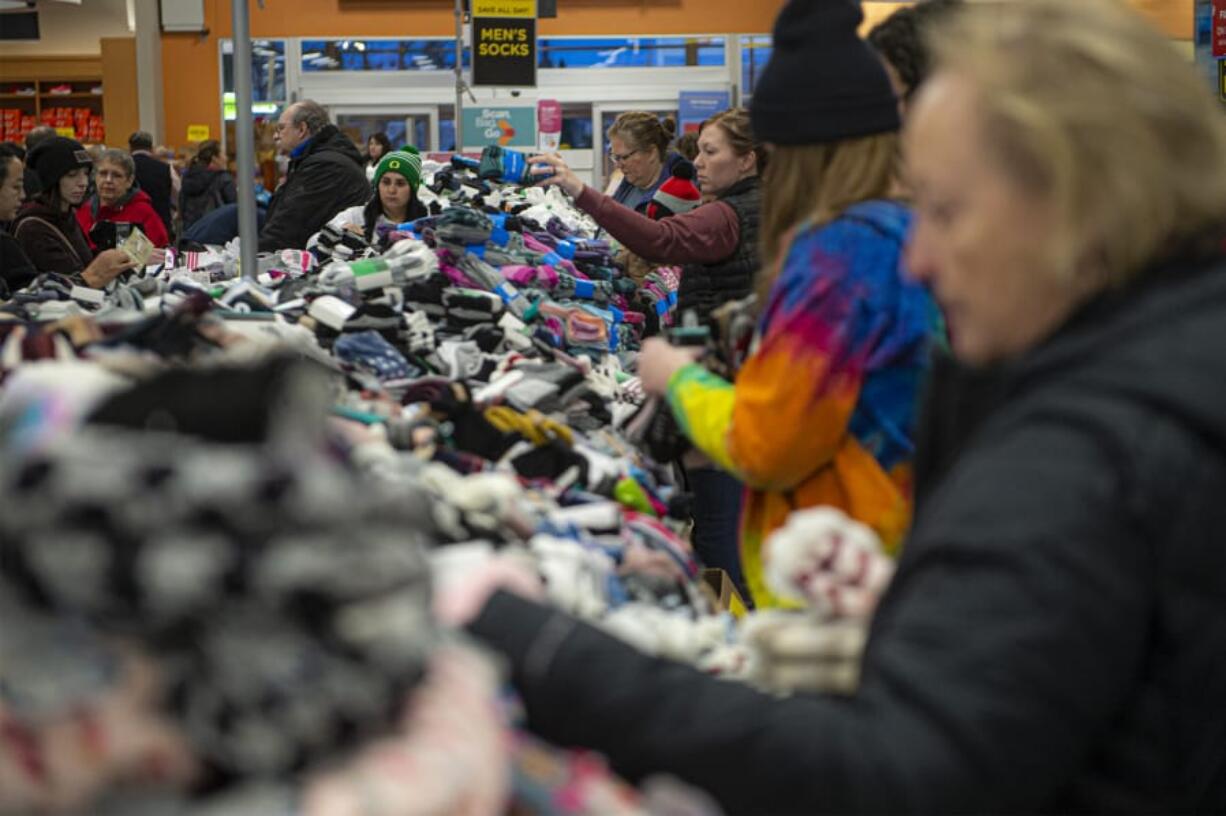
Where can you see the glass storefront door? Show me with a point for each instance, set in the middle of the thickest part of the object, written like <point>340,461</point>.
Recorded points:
<point>415,126</point>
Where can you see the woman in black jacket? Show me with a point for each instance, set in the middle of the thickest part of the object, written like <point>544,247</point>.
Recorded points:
<point>206,185</point>
<point>1055,637</point>
<point>46,226</point>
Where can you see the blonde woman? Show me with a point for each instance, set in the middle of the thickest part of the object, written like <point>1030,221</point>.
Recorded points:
<point>1053,639</point>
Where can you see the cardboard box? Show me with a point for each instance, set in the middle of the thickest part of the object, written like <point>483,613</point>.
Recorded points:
<point>726,595</point>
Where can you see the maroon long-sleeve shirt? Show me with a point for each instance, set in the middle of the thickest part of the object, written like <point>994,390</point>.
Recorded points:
<point>706,234</point>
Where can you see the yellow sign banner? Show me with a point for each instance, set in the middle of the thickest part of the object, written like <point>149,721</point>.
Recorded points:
<point>197,133</point>
<point>71,133</point>
<point>504,8</point>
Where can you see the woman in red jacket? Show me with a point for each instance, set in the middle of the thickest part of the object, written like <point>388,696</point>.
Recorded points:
<point>108,216</point>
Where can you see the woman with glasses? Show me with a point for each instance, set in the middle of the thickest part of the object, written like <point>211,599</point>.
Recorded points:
<point>107,217</point>
<point>639,148</point>
<point>49,233</point>
<point>716,245</point>
<point>1054,638</point>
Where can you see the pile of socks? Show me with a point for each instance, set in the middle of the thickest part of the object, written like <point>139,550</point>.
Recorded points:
<point>462,391</point>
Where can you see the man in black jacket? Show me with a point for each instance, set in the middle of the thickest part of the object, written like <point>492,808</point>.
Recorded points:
<point>155,177</point>
<point>326,175</point>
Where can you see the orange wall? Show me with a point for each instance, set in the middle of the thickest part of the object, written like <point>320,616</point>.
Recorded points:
<point>190,62</point>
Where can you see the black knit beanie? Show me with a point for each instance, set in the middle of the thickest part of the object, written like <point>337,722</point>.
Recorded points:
<point>56,158</point>
<point>823,83</point>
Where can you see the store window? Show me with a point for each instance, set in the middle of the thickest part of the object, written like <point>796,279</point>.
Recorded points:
<point>577,127</point>
<point>401,129</point>
<point>630,52</point>
<point>267,70</point>
<point>446,128</point>
<point>755,53</point>
<point>268,99</point>
<point>380,55</point>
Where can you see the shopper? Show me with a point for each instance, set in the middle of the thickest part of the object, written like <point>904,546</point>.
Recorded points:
<point>718,245</point>
<point>377,146</point>
<point>396,180</point>
<point>15,268</point>
<point>325,176</point>
<point>206,185</point>
<point>900,40</point>
<point>156,177</point>
<point>639,147</point>
<point>46,227</point>
<point>33,138</point>
<point>687,145</point>
<point>823,411</point>
<point>1053,639</point>
<point>107,217</point>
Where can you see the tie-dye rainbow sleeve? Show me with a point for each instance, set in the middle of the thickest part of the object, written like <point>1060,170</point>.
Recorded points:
<point>703,404</point>
<point>789,411</point>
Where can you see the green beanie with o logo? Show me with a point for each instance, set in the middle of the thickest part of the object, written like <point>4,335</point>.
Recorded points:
<point>406,161</point>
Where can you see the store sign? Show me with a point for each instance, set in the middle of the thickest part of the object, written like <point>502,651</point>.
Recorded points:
<point>505,126</point>
<point>1219,29</point>
<point>197,133</point>
<point>229,107</point>
<point>549,124</point>
<point>696,107</point>
<point>525,9</point>
<point>67,132</point>
<point>504,52</point>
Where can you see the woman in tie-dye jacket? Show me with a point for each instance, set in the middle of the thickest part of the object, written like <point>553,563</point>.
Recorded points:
<point>822,412</point>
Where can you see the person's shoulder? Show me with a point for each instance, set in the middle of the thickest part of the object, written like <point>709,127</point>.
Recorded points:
<point>351,215</point>
<point>31,216</point>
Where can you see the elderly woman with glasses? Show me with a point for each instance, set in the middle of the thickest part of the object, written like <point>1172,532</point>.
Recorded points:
<point>716,245</point>
<point>639,148</point>
<point>119,204</point>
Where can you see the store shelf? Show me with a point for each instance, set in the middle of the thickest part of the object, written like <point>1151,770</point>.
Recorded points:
<point>80,109</point>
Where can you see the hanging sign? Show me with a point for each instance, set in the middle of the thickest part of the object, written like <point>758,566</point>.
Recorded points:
<point>504,43</point>
<point>504,125</point>
<point>504,52</point>
<point>67,132</point>
<point>197,133</point>
<point>505,8</point>
<point>696,107</point>
<point>1219,29</point>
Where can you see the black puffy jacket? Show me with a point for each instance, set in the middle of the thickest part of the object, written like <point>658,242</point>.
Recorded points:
<point>1054,639</point>
<point>202,191</point>
<point>325,179</point>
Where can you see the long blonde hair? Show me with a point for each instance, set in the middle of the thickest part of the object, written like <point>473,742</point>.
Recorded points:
<point>817,183</point>
<point>1089,108</point>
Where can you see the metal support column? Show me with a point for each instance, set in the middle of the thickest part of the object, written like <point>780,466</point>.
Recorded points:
<point>244,132</point>
<point>459,75</point>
